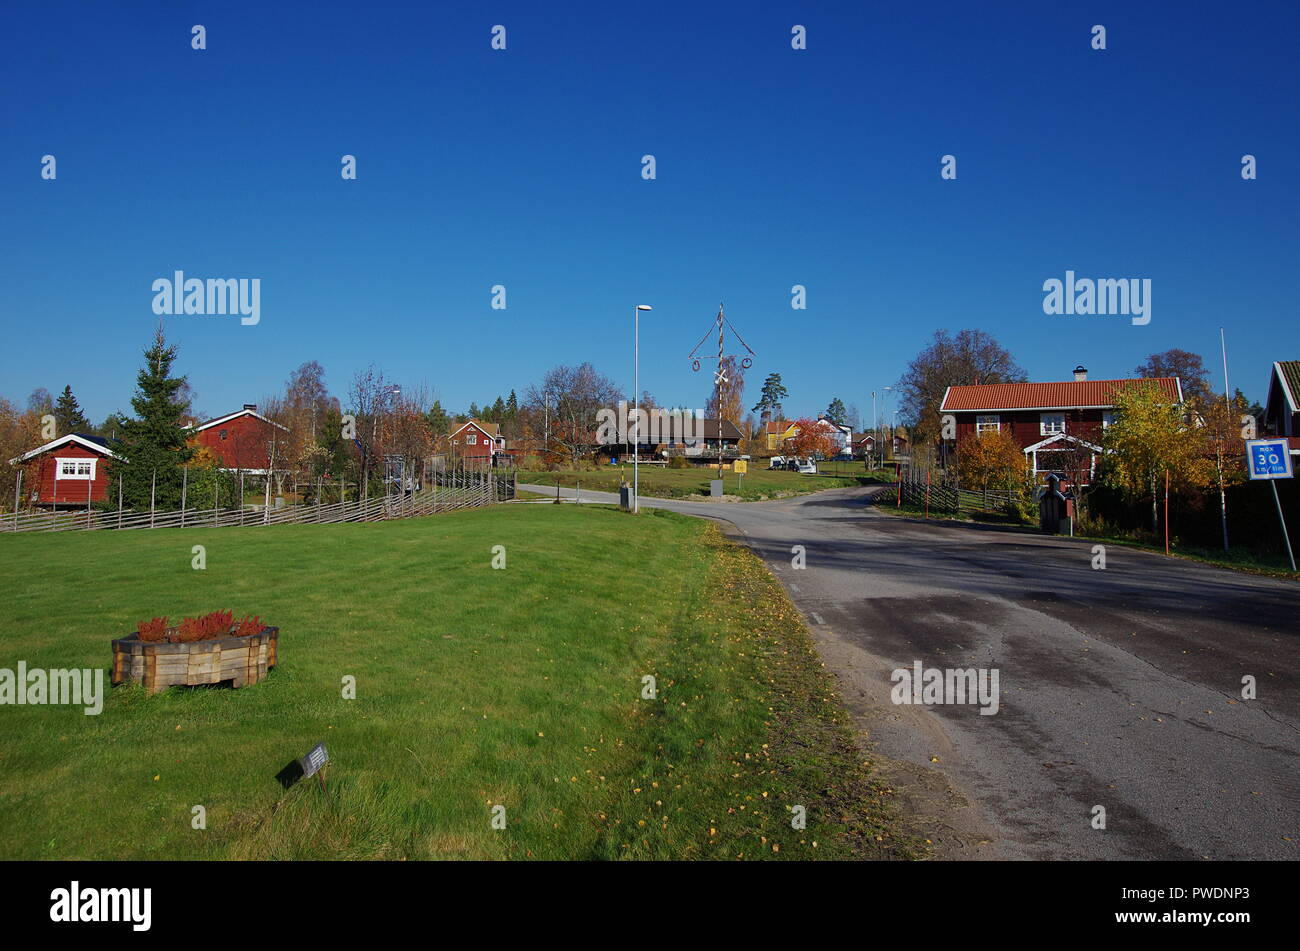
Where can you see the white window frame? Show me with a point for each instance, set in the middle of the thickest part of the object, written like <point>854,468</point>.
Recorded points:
<point>1043,428</point>
<point>1107,418</point>
<point>471,439</point>
<point>983,424</point>
<point>77,463</point>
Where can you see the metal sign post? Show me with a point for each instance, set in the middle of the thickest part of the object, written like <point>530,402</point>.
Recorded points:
<point>1271,459</point>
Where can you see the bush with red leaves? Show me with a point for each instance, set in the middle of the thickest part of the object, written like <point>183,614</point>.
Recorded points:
<point>216,624</point>
<point>154,630</point>
<point>249,626</point>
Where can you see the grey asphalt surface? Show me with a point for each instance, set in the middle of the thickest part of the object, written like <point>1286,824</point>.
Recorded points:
<point>1120,687</point>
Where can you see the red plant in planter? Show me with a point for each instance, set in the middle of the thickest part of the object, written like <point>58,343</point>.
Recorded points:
<point>154,630</point>
<point>216,624</point>
<point>249,626</point>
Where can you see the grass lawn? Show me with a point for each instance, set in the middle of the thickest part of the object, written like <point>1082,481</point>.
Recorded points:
<point>475,688</point>
<point>658,482</point>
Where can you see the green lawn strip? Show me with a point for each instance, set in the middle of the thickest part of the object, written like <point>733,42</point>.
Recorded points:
<point>475,687</point>
<point>748,725</point>
<point>759,484</point>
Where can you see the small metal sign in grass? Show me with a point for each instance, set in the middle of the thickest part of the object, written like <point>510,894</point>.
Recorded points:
<point>309,765</point>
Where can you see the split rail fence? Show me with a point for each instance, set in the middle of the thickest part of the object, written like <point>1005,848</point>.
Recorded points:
<point>443,492</point>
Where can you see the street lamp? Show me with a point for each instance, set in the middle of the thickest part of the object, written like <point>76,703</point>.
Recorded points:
<point>636,404</point>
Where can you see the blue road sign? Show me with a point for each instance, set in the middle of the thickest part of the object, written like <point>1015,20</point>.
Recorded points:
<point>1269,459</point>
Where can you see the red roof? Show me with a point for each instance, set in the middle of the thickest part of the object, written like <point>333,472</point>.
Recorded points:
<point>1066,395</point>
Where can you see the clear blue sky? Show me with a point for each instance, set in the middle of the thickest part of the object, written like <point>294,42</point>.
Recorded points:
<point>775,167</point>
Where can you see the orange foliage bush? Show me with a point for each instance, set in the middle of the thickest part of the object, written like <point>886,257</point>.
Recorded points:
<point>154,630</point>
<point>216,624</point>
<point>202,628</point>
<point>249,626</point>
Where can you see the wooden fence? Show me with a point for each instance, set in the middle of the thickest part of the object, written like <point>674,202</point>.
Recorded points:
<point>450,490</point>
<point>948,498</point>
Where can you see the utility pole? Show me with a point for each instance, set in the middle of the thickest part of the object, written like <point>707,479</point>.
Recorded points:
<point>1227,403</point>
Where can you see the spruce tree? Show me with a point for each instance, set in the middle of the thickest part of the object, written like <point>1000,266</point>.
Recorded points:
<point>68,416</point>
<point>155,440</point>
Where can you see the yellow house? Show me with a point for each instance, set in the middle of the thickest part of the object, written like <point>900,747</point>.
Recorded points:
<point>778,431</point>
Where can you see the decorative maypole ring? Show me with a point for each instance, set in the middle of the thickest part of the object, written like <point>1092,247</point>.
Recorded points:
<point>746,363</point>
<point>695,365</point>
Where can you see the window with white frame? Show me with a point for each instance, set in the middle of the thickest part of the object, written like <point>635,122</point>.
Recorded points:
<point>75,469</point>
<point>471,439</point>
<point>1049,423</point>
<point>987,424</point>
<point>1107,418</point>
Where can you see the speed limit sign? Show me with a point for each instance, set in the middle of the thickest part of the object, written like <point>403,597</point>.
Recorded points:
<point>1269,459</point>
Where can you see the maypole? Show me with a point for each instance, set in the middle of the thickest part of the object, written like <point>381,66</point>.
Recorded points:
<point>720,375</point>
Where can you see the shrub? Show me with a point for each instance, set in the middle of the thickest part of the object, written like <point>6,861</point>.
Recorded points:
<point>154,630</point>
<point>206,627</point>
<point>678,462</point>
<point>249,626</point>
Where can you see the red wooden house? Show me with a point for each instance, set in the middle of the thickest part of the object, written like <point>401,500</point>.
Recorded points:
<point>475,440</point>
<point>243,441</point>
<point>1282,411</point>
<point>1058,425</point>
<point>67,472</point>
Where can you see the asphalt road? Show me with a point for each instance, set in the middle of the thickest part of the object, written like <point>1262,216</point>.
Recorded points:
<point>1119,687</point>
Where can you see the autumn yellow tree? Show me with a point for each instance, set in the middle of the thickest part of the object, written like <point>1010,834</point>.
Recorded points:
<point>1151,436</point>
<point>992,458</point>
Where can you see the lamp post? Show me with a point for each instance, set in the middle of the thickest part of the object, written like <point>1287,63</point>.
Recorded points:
<point>636,404</point>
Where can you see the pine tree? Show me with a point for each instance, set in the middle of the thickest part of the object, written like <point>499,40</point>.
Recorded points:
<point>773,393</point>
<point>512,406</point>
<point>438,420</point>
<point>68,416</point>
<point>155,440</point>
<point>836,411</point>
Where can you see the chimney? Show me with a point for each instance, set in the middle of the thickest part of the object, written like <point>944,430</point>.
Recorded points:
<point>251,407</point>
<point>1080,373</point>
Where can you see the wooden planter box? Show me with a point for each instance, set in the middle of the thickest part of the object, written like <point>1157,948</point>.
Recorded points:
<point>159,664</point>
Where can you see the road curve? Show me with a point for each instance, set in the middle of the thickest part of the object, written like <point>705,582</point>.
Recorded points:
<point>1119,687</point>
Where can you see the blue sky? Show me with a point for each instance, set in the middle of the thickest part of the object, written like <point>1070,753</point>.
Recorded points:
<point>775,167</point>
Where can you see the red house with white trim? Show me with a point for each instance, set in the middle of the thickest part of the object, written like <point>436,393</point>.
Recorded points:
<point>1058,425</point>
<point>242,440</point>
<point>69,471</point>
<point>477,440</point>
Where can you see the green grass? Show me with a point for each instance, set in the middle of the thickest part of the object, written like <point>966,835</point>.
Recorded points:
<point>474,688</point>
<point>658,482</point>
